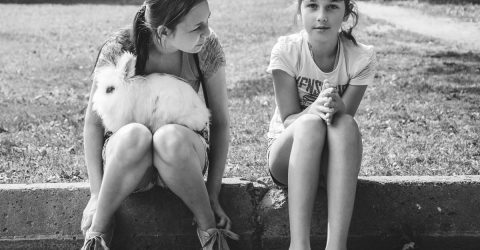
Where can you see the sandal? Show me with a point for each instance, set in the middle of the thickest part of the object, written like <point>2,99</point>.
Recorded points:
<point>215,239</point>
<point>95,241</point>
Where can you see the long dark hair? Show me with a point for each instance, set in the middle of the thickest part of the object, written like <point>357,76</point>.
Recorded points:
<point>160,12</point>
<point>351,11</point>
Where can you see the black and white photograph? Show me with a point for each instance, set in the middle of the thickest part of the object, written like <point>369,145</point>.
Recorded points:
<point>240,125</point>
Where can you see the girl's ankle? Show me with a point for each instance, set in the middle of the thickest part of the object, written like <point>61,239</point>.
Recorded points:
<point>100,229</point>
<point>205,225</point>
<point>299,246</point>
<point>336,248</point>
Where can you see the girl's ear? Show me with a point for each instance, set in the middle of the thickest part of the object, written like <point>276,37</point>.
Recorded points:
<point>163,31</point>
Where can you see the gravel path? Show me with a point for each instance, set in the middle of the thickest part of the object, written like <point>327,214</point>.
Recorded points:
<point>466,35</point>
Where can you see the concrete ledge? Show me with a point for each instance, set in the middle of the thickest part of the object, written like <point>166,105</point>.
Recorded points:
<point>433,212</point>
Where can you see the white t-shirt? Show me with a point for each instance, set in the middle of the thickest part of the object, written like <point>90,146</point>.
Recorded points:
<point>355,66</point>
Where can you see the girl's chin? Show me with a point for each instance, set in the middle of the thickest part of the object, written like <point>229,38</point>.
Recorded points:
<point>193,50</point>
<point>321,36</point>
<point>197,48</point>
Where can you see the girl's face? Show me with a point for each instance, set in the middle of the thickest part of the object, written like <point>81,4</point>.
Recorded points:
<point>191,33</point>
<point>322,19</point>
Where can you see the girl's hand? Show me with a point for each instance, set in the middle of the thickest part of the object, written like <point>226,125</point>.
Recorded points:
<point>335,104</point>
<point>223,220</point>
<point>88,213</point>
<point>319,108</point>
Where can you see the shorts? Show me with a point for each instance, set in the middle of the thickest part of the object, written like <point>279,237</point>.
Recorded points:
<point>269,146</point>
<point>151,177</point>
<point>323,173</point>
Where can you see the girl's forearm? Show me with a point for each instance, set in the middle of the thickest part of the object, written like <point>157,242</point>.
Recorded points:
<point>219,143</point>
<point>93,144</point>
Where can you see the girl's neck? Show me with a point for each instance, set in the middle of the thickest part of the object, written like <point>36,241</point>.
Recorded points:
<point>324,49</point>
<point>162,59</point>
<point>324,54</point>
<point>161,49</point>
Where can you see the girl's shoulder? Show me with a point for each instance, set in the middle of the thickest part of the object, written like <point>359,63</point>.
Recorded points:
<point>290,43</point>
<point>358,49</point>
<point>359,55</point>
<point>117,44</point>
<point>211,56</point>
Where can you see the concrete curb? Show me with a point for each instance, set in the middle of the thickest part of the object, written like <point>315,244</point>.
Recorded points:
<point>432,212</point>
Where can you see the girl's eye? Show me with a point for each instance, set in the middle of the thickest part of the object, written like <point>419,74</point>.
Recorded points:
<point>199,27</point>
<point>312,6</point>
<point>332,6</point>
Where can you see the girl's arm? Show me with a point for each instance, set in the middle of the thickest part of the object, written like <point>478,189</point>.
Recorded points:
<point>219,130</point>
<point>286,97</point>
<point>93,143</point>
<point>347,104</point>
<point>351,98</point>
<point>219,141</point>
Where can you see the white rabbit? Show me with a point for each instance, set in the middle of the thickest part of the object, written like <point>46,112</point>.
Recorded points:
<point>153,100</point>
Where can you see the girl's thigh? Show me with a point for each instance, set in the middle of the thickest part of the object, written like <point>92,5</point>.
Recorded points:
<point>174,142</point>
<point>279,154</point>
<point>120,141</point>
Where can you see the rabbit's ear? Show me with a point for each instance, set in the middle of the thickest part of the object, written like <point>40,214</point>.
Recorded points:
<point>126,65</point>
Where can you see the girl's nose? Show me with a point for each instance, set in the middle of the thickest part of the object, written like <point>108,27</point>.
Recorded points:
<point>206,31</point>
<point>322,17</point>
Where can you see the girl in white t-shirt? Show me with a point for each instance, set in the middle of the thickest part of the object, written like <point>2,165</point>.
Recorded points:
<point>313,136</point>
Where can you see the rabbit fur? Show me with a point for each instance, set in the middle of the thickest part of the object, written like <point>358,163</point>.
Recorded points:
<point>153,100</point>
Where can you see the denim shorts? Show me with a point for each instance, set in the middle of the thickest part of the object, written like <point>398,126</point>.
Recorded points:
<point>151,177</point>
<point>269,146</point>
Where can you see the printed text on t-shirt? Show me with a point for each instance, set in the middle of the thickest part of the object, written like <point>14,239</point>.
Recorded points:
<point>313,86</point>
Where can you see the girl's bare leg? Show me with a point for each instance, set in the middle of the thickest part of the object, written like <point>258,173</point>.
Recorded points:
<point>179,155</point>
<point>295,158</point>
<point>345,155</point>
<point>129,155</point>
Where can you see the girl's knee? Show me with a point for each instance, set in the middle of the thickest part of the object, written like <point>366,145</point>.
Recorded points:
<point>345,124</point>
<point>172,144</point>
<point>345,121</point>
<point>133,142</point>
<point>310,126</point>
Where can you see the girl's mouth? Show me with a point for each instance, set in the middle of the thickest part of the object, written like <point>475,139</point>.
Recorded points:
<point>321,28</point>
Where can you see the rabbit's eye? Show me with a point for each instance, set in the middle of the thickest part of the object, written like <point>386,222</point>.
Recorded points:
<point>110,90</point>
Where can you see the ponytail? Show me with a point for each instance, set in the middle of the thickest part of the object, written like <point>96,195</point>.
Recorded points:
<point>350,10</point>
<point>141,37</point>
<point>348,34</point>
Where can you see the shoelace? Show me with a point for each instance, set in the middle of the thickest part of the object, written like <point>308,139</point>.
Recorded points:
<point>218,237</point>
<point>91,243</point>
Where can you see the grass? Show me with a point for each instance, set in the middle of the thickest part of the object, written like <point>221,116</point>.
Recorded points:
<point>420,117</point>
